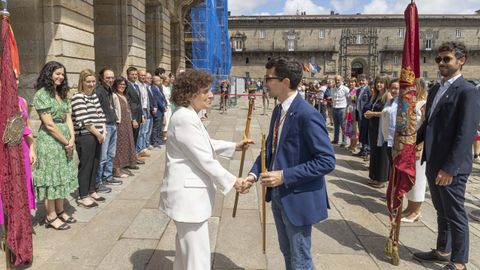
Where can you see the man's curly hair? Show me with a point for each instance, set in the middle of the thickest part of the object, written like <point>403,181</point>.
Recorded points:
<point>45,80</point>
<point>187,84</point>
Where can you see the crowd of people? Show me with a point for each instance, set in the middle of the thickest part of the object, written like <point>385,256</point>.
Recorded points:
<point>135,113</point>
<point>106,111</point>
<point>447,122</point>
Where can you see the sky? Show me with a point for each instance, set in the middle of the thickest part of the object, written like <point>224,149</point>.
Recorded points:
<point>312,7</point>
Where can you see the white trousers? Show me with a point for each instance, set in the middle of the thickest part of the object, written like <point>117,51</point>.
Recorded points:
<point>192,246</point>
<point>417,193</point>
<point>167,114</point>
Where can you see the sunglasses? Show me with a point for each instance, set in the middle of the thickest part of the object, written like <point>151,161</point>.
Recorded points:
<point>445,59</point>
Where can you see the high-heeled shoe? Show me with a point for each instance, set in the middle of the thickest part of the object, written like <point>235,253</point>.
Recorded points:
<point>49,224</point>
<point>411,220</point>
<point>69,220</point>
<point>86,206</point>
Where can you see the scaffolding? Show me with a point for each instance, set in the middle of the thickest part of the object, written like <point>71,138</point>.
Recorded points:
<point>210,41</point>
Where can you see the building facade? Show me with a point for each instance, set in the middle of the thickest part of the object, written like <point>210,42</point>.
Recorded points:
<point>95,33</point>
<point>348,44</point>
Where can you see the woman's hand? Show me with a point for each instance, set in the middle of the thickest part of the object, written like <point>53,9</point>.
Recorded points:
<point>69,149</point>
<point>101,138</point>
<point>368,114</point>
<point>243,144</point>
<point>242,185</point>
<point>33,156</point>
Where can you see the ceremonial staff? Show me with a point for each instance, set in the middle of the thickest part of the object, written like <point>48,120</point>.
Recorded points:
<point>244,150</point>
<point>264,191</point>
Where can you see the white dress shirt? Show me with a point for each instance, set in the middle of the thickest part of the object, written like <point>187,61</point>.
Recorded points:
<point>444,85</point>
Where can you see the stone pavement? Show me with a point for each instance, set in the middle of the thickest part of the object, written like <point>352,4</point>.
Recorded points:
<point>129,232</point>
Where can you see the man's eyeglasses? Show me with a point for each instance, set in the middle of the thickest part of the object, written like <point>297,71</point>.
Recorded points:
<point>266,79</point>
<point>445,59</point>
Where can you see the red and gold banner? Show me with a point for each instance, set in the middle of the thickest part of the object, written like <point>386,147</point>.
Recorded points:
<point>402,175</point>
<point>12,172</point>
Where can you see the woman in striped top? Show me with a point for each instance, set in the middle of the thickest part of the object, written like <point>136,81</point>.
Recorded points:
<point>89,125</point>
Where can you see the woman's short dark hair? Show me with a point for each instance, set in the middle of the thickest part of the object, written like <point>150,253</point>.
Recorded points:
<point>118,80</point>
<point>286,68</point>
<point>187,84</point>
<point>45,80</point>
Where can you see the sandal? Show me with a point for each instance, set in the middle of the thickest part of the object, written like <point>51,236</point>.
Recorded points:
<point>117,173</point>
<point>63,227</point>
<point>69,220</point>
<point>126,171</point>
<point>98,199</point>
<point>86,206</point>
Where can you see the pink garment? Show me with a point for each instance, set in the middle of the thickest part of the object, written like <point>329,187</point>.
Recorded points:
<point>26,156</point>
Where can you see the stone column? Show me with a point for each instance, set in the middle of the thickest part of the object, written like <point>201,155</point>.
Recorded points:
<point>45,31</point>
<point>157,20</point>
<point>120,34</point>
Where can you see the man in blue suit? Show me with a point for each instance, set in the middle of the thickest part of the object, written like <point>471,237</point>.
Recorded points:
<point>452,116</point>
<point>299,155</point>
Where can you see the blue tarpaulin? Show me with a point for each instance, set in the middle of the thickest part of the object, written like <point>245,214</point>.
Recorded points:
<point>210,41</point>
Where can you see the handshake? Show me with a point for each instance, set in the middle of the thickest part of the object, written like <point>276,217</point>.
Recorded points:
<point>242,185</point>
<point>267,179</point>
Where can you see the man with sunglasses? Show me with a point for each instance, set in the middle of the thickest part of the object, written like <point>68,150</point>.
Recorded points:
<point>448,131</point>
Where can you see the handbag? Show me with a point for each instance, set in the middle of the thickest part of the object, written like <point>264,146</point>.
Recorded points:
<point>14,130</point>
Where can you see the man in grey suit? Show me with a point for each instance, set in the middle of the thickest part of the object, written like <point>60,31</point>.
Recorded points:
<point>448,132</point>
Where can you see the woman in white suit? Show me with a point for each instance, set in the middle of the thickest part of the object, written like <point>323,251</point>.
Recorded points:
<point>192,171</point>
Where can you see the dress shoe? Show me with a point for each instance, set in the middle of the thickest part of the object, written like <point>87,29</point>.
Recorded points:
<point>451,266</point>
<point>377,184</point>
<point>139,157</point>
<point>144,154</point>
<point>140,162</point>
<point>359,154</point>
<point>103,189</point>
<point>132,167</point>
<point>114,182</point>
<point>413,219</point>
<point>334,142</point>
<point>475,215</point>
<point>431,256</point>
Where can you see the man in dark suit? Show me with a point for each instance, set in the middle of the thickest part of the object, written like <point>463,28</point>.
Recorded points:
<point>452,116</point>
<point>133,96</point>
<point>299,155</point>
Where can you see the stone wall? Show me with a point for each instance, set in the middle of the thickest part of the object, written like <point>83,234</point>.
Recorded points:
<point>319,38</point>
<point>93,34</point>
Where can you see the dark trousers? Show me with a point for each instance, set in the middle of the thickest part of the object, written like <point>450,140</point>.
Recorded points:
<point>156,139</point>
<point>136,132</point>
<point>89,152</point>
<point>452,218</point>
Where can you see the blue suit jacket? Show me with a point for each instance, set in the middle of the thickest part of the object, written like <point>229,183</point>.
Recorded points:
<point>305,155</point>
<point>159,100</point>
<point>449,132</point>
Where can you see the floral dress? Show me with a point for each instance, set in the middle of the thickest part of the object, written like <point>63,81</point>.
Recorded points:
<point>55,175</point>
<point>350,123</point>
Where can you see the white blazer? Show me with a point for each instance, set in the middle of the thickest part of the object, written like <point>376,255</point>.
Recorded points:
<point>192,172</point>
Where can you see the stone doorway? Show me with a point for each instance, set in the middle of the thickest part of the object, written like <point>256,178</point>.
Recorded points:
<point>357,69</point>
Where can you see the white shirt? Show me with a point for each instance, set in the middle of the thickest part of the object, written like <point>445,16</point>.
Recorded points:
<point>339,97</point>
<point>143,95</point>
<point>443,88</point>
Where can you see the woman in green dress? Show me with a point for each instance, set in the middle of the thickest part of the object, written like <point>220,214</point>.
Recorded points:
<point>55,176</point>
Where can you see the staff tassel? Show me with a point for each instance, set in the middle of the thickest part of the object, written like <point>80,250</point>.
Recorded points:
<point>264,189</point>
<point>244,150</point>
